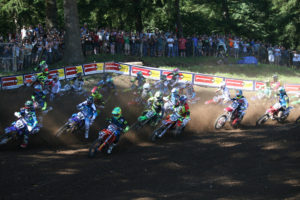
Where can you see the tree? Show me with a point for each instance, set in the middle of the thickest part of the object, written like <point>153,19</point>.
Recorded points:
<point>73,49</point>
<point>51,14</point>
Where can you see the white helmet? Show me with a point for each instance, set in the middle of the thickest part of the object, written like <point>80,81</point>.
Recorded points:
<point>158,95</point>
<point>175,90</point>
<point>146,86</point>
<point>223,84</point>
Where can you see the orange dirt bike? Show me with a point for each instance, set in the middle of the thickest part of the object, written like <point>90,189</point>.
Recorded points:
<point>106,137</point>
<point>231,114</point>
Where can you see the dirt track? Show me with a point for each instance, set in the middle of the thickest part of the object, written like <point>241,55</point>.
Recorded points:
<point>248,163</point>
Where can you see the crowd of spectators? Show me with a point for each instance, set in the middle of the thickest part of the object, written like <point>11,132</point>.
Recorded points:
<point>157,44</point>
<point>33,44</point>
<point>28,47</point>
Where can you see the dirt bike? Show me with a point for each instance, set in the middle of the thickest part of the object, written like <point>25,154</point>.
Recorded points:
<point>275,113</point>
<point>16,130</point>
<point>75,123</point>
<point>231,114</point>
<point>218,99</point>
<point>106,138</point>
<point>171,122</point>
<point>148,116</point>
<point>297,120</point>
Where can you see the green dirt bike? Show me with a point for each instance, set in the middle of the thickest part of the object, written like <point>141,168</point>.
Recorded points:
<point>148,117</point>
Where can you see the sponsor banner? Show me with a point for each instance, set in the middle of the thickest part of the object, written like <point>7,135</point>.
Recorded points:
<point>239,84</point>
<point>212,81</point>
<point>12,82</point>
<point>259,85</point>
<point>93,68</point>
<point>184,77</point>
<point>117,68</point>
<point>71,72</point>
<point>28,78</point>
<point>292,88</point>
<point>152,73</point>
<point>59,72</point>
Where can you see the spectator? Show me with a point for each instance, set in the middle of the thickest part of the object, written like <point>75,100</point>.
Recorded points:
<point>170,42</point>
<point>182,46</point>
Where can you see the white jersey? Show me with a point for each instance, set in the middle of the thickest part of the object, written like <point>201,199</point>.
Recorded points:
<point>56,87</point>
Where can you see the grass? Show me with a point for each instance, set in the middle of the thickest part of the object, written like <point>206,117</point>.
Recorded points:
<point>205,65</point>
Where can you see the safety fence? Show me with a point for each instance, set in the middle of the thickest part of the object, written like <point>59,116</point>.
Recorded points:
<point>11,82</point>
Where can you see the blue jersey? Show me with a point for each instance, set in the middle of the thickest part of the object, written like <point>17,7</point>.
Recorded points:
<point>283,100</point>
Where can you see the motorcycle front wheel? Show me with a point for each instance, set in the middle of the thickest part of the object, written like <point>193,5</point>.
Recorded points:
<point>220,122</point>
<point>156,133</point>
<point>62,130</point>
<point>94,148</point>
<point>262,120</point>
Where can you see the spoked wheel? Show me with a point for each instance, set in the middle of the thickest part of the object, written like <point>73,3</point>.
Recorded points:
<point>5,138</point>
<point>262,120</point>
<point>298,120</point>
<point>94,148</point>
<point>156,133</point>
<point>62,130</point>
<point>220,122</point>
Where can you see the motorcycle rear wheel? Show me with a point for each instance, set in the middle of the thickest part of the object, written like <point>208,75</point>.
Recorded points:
<point>262,120</point>
<point>298,120</point>
<point>220,122</point>
<point>94,148</point>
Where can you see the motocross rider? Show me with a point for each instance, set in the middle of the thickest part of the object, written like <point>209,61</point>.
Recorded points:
<point>183,109</point>
<point>190,92</point>
<point>156,104</point>
<point>141,80</point>
<point>283,100</point>
<point>146,93</point>
<point>38,93</point>
<point>118,120</point>
<point>171,100</point>
<point>77,82</point>
<point>43,67</point>
<point>55,87</point>
<point>275,84</point>
<point>225,95</point>
<point>29,116</point>
<point>109,83</point>
<point>175,77</point>
<point>162,85</point>
<point>243,104</point>
<point>98,98</point>
<point>89,110</point>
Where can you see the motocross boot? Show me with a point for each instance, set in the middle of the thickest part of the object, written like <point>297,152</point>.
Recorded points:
<point>25,142</point>
<point>110,148</point>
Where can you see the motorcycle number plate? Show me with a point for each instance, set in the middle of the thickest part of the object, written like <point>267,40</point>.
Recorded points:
<point>150,114</point>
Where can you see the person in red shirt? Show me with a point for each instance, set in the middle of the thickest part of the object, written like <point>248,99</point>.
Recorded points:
<point>182,46</point>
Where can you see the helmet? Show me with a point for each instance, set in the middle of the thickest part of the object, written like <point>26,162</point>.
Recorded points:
<point>117,112</point>
<point>239,94</point>
<point>139,73</point>
<point>182,99</point>
<point>29,104</point>
<point>22,111</point>
<point>43,63</point>
<point>78,75</point>
<point>163,77</point>
<point>281,90</point>
<point>90,100</point>
<point>223,84</point>
<point>158,95</point>
<point>175,90</point>
<point>175,70</point>
<point>275,77</point>
<point>109,79</point>
<point>146,86</point>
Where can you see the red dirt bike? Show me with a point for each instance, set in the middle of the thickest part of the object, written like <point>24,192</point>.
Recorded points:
<point>275,112</point>
<point>171,122</point>
<point>231,114</point>
<point>106,138</point>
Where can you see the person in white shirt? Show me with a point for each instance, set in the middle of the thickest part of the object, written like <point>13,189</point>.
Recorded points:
<point>170,42</point>
<point>55,87</point>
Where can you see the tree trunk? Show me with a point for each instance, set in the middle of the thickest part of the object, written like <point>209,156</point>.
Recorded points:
<point>138,15</point>
<point>178,18</point>
<point>73,49</point>
<point>226,16</point>
<point>51,14</point>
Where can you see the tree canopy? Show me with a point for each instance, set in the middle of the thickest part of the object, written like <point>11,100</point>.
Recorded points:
<point>274,21</point>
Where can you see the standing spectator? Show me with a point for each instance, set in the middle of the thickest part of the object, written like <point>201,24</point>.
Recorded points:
<point>296,60</point>
<point>199,47</point>
<point>271,55</point>
<point>126,44</point>
<point>277,55</point>
<point>236,47</point>
<point>152,45</point>
<point>182,46</point>
<point>49,47</point>
<point>112,41</point>
<point>160,45</point>
<point>176,46</point>
<point>23,33</point>
<point>170,42</point>
<point>27,54</point>
<point>195,44</point>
